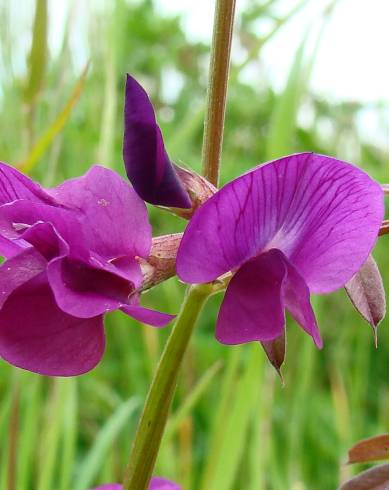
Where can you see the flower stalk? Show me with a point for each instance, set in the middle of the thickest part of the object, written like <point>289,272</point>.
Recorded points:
<point>217,89</point>
<point>156,410</point>
<point>155,413</point>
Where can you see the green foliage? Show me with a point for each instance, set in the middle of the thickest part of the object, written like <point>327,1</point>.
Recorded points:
<point>234,426</point>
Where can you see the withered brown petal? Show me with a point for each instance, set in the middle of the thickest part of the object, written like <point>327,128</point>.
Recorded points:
<point>374,479</point>
<point>161,263</point>
<point>275,351</point>
<point>366,292</point>
<point>372,449</point>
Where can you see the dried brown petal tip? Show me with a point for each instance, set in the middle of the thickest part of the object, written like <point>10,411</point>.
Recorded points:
<point>275,351</point>
<point>366,292</point>
<point>161,264</point>
<point>198,188</point>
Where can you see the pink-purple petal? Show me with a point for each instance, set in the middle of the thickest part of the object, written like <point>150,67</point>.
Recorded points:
<point>36,335</point>
<point>17,217</point>
<point>297,301</point>
<point>322,213</point>
<point>45,239</point>
<point>19,269</point>
<point>15,185</point>
<point>84,291</point>
<point>253,306</point>
<point>255,300</point>
<point>155,484</point>
<point>148,166</point>
<point>9,248</point>
<point>145,315</point>
<point>162,484</point>
<point>115,219</point>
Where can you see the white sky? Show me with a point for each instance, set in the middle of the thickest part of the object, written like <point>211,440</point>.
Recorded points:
<point>352,62</point>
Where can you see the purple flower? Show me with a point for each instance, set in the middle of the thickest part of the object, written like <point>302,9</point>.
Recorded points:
<point>302,224</point>
<point>155,484</point>
<point>147,164</point>
<point>71,257</point>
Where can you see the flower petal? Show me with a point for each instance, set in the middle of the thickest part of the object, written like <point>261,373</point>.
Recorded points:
<point>162,484</point>
<point>115,219</point>
<point>145,315</point>
<point>17,217</point>
<point>18,270</point>
<point>45,239</point>
<point>15,185</point>
<point>147,163</point>
<point>253,307</point>
<point>9,248</point>
<point>36,335</point>
<point>297,301</point>
<point>322,213</point>
<point>155,484</point>
<point>85,291</point>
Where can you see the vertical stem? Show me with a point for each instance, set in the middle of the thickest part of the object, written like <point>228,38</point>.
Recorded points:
<point>217,89</point>
<point>155,413</point>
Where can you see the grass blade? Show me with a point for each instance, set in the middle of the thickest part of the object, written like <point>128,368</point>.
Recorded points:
<point>56,127</point>
<point>91,466</point>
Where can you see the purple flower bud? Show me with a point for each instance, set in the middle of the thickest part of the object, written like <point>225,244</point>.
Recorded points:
<point>147,163</point>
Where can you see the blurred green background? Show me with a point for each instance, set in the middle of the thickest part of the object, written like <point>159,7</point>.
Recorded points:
<point>233,425</point>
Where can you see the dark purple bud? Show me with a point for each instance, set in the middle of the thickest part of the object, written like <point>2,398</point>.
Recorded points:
<point>147,164</point>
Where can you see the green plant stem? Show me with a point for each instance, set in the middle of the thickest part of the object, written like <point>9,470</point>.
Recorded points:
<point>156,410</point>
<point>155,413</point>
<point>217,89</point>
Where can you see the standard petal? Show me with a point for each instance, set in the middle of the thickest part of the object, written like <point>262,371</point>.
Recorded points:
<point>15,185</point>
<point>253,307</point>
<point>147,163</point>
<point>324,214</point>
<point>115,218</point>
<point>18,270</point>
<point>150,317</point>
<point>36,335</point>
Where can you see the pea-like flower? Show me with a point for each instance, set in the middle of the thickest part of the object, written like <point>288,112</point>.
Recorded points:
<point>72,256</point>
<point>155,484</point>
<point>147,163</point>
<point>299,225</point>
